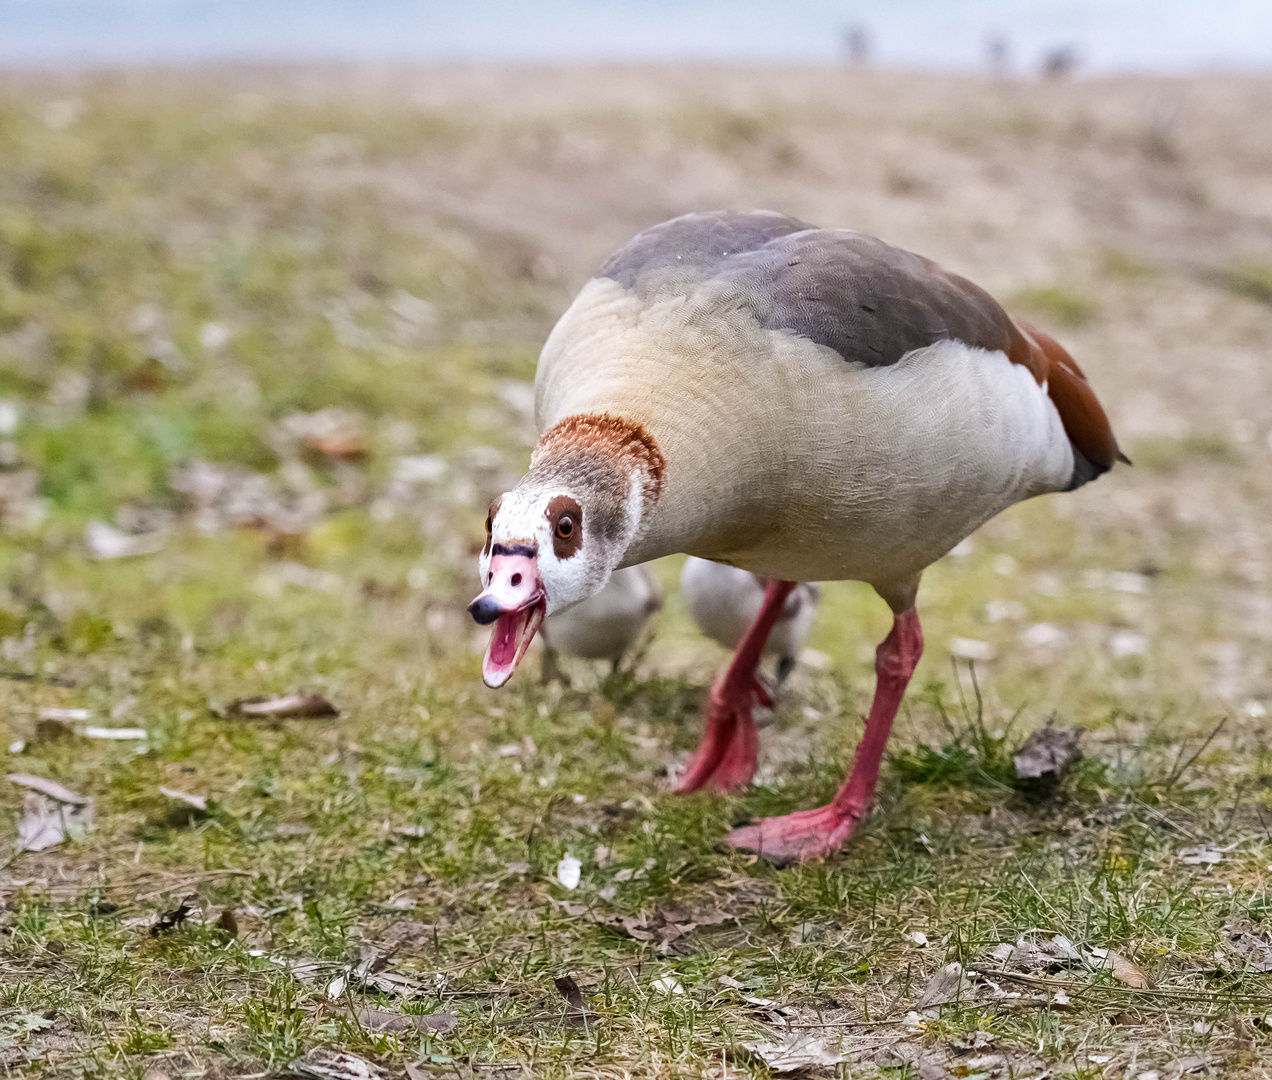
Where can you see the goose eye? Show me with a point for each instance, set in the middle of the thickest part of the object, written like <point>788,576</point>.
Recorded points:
<point>565,527</point>
<point>489,529</point>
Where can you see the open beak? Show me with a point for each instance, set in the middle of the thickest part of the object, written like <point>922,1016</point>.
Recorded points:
<point>515,602</point>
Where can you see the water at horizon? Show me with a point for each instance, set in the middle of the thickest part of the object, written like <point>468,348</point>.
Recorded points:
<point>1109,35</point>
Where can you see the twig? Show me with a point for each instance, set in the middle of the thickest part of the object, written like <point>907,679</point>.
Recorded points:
<point>52,680</point>
<point>1071,987</point>
<point>1178,772</point>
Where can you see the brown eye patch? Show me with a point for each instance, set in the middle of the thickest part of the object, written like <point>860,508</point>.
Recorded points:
<point>566,518</point>
<point>490,522</point>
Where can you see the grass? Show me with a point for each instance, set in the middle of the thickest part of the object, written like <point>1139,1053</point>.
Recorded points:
<point>181,274</point>
<point>1058,304</point>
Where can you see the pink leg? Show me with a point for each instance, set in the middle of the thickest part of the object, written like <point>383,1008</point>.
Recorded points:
<point>725,759</point>
<point>810,833</point>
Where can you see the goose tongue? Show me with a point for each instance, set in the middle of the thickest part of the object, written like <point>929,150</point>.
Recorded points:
<point>514,630</point>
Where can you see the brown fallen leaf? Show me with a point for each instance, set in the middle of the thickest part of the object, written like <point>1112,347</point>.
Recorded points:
<point>380,1020</point>
<point>228,922</point>
<point>332,433</point>
<point>195,802</point>
<point>1048,752</point>
<point>408,934</point>
<point>1251,951</point>
<point>51,729</point>
<point>283,707</point>
<point>798,1050</point>
<point>1124,970</point>
<point>323,1064</point>
<point>50,813</point>
<point>578,1012</point>
<point>946,985</point>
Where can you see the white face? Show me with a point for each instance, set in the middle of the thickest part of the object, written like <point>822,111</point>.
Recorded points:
<point>569,559</point>
<point>540,556</point>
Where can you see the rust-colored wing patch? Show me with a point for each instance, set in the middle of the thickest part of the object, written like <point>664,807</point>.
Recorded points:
<point>1083,417</point>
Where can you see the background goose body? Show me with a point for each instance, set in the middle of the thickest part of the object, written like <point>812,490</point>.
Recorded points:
<point>605,626</point>
<point>724,603</point>
<point>802,403</point>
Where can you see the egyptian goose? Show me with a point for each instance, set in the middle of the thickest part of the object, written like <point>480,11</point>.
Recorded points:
<point>806,404</point>
<point>608,623</point>
<point>725,601</point>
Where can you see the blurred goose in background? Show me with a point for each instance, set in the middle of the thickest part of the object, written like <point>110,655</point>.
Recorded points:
<point>725,602</point>
<point>808,404</point>
<point>606,625</point>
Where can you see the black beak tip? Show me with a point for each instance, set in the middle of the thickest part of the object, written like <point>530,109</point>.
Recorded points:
<point>484,610</point>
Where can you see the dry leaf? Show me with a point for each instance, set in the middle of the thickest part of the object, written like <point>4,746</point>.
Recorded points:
<point>228,922</point>
<point>668,984</point>
<point>797,1051</point>
<point>973,1040</point>
<point>329,433</point>
<point>123,734</point>
<point>48,729</point>
<point>322,1064</point>
<point>570,991</point>
<point>370,962</point>
<point>1202,855</point>
<point>107,542</point>
<point>1048,752</point>
<point>569,871</point>
<point>380,1020</point>
<point>283,707</point>
<point>170,920</point>
<point>51,788</point>
<point>50,813</point>
<point>408,932</point>
<point>304,968</point>
<point>946,985</point>
<point>195,802</point>
<point>46,823</point>
<point>1252,950</point>
<point>1063,949</point>
<point>1124,970</point>
<point>386,982</point>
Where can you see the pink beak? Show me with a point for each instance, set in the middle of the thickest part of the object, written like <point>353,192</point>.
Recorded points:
<point>514,601</point>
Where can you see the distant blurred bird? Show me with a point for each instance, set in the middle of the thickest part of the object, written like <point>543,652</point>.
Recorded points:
<point>725,602</point>
<point>606,625</point>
